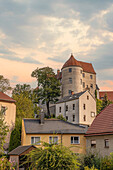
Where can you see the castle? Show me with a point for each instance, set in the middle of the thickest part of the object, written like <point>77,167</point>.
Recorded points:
<point>76,76</point>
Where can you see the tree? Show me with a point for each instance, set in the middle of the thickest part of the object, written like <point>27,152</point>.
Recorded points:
<point>52,156</point>
<point>49,86</point>
<point>4,84</point>
<point>24,89</point>
<point>3,131</point>
<point>98,105</point>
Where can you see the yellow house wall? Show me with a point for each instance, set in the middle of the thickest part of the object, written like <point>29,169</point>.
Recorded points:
<point>10,116</point>
<point>66,141</point>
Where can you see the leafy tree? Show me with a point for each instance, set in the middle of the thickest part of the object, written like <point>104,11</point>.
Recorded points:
<point>24,89</point>
<point>105,101</point>
<point>4,84</point>
<point>24,107</point>
<point>49,86</point>
<point>52,157</point>
<point>99,105</point>
<point>3,131</point>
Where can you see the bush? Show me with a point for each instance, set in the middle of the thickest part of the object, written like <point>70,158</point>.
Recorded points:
<point>61,117</point>
<point>105,163</point>
<point>6,165</point>
<point>52,157</point>
<point>89,160</point>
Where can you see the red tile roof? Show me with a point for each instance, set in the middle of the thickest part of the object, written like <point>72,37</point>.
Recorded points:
<point>6,98</point>
<point>87,67</point>
<point>103,123</point>
<point>109,94</point>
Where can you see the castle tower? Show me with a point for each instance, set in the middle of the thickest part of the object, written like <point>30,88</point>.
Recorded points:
<point>77,76</point>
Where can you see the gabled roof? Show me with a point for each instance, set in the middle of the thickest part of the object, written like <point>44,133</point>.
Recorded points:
<point>103,123</point>
<point>87,67</point>
<point>109,94</point>
<point>20,149</point>
<point>71,97</point>
<point>6,98</point>
<point>52,126</point>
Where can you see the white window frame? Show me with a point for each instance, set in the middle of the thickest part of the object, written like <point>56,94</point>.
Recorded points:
<point>93,114</point>
<point>73,140</point>
<point>34,140</point>
<point>52,140</point>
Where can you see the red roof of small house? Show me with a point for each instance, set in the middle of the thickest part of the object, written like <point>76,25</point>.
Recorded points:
<point>87,67</point>
<point>6,98</point>
<point>103,123</point>
<point>109,95</point>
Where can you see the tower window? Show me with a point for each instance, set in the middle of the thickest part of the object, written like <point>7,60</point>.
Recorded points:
<point>70,70</point>
<point>80,81</point>
<point>84,118</point>
<point>70,80</point>
<point>91,85</point>
<point>91,76</point>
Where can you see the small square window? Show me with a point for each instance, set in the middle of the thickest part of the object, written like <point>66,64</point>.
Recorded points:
<point>59,109</point>
<point>70,70</point>
<point>66,117</point>
<point>69,92</point>
<point>87,97</point>
<point>73,118</point>
<point>93,143</point>
<point>75,140</point>
<point>83,74</point>
<point>35,140</point>
<point>91,76</point>
<point>84,106</point>
<point>70,80</point>
<point>73,106</point>
<point>91,85</point>
<point>92,114</point>
<point>106,141</point>
<point>84,118</point>
<point>53,140</point>
<point>83,84</point>
<point>66,107</point>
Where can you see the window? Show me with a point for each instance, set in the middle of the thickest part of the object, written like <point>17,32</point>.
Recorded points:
<point>66,107</point>
<point>93,143</point>
<point>70,80</point>
<point>91,76</point>
<point>81,71</point>
<point>73,106</point>
<point>3,110</point>
<point>66,117</point>
<point>75,140</point>
<point>59,109</point>
<point>80,81</point>
<point>84,106</point>
<point>83,74</point>
<point>91,85</point>
<point>70,70</point>
<point>53,139</point>
<point>83,84</point>
<point>106,142</point>
<point>35,140</point>
<point>73,118</point>
<point>84,118</point>
<point>87,97</point>
<point>92,114</point>
<point>69,92</point>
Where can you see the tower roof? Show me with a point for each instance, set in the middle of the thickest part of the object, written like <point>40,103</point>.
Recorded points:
<point>87,67</point>
<point>71,62</point>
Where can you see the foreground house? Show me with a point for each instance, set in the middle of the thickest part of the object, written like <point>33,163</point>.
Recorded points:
<point>53,131</point>
<point>99,136</point>
<point>79,108</point>
<point>8,107</point>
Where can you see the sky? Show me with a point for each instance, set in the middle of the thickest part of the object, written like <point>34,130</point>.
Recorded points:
<point>39,33</point>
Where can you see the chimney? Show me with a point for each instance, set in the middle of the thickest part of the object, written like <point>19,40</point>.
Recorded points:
<point>41,118</point>
<point>72,92</point>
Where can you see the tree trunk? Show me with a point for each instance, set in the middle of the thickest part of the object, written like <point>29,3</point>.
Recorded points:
<point>48,111</point>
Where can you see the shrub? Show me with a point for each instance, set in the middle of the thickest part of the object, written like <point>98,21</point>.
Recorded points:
<point>6,165</point>
<point>52,157</point>
<point>105,163</point>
